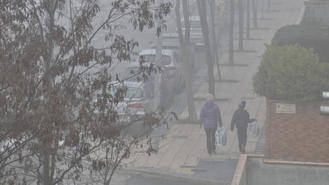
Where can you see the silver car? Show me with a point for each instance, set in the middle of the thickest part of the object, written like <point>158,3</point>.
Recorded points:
<point>134,104</point>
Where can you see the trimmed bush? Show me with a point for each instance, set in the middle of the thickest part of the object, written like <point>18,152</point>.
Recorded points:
<point>291,73</point>
<point>308,36</point>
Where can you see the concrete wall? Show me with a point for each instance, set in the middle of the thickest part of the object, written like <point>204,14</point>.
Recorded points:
<point>259,173</point>
<point>239,177</point>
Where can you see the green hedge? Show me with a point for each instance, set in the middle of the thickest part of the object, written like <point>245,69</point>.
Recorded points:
<point>291,73</point>
<point>306,35</point>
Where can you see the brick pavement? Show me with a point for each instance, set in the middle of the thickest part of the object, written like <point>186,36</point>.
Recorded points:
<point>185,144</point>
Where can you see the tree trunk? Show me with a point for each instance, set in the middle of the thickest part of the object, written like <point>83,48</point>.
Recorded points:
<point>186,58</point>
<point>205,31</point>
<point>269,4</point>
<point>262,8</point>
<point>255,13</point>
<point>241,24</point>
<point>158,52</point>
<point>231,32</point>
<point>45,161</point>
<point>187,63</point>
<point>214,44</point>
<point>248,19</point>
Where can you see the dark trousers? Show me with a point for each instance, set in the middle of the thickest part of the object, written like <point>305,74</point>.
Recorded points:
<point>211,145</point>
<point>242,137</point>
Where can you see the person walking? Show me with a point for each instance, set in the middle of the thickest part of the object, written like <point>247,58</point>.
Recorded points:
<point>210,117</point>
<point>240,120</point>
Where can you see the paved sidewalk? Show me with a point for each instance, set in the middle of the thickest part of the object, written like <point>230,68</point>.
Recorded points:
<point>184,146</point>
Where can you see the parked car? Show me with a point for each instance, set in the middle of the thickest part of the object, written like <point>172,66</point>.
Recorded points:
<point>134,72</point>
<point>172,76</point>
<point>134,104</point>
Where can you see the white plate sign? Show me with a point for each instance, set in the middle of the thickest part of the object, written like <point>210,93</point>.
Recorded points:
<point>324,109</point>
<point>285,108</point>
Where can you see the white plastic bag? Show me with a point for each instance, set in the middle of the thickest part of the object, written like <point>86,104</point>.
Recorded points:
<point>253,128</point>
<point>221,136</point>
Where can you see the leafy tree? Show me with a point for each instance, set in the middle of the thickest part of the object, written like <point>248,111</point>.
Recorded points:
<point>291,73</point>
<point>55,111</point>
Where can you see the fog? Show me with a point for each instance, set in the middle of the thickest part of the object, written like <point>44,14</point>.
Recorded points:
<point>134,92</point>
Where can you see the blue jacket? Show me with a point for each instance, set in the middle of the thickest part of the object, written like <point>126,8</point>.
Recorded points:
<point>210,115</point>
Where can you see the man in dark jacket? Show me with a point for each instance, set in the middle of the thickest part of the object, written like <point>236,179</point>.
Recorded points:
<point>210,117</point>
<point>240,120</point>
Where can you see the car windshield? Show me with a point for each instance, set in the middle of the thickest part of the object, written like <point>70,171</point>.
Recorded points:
<point>165,60</point>
<point>134,92</point>
<point>130,73</point>
<point>131,93</point>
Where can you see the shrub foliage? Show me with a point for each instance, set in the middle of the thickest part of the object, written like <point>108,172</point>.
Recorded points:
<point>292,73</point>
<point>311,36</point>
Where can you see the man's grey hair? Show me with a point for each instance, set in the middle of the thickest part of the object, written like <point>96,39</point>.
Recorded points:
<point>210,97</point>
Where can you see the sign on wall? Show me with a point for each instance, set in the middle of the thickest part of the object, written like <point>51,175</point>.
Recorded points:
<point>282,108</point>
<point>324,109</point>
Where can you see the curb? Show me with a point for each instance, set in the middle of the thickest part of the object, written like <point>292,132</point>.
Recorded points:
<point>171,176</point>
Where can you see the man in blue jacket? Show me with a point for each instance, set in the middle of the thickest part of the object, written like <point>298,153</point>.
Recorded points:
<point>210,117</point>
